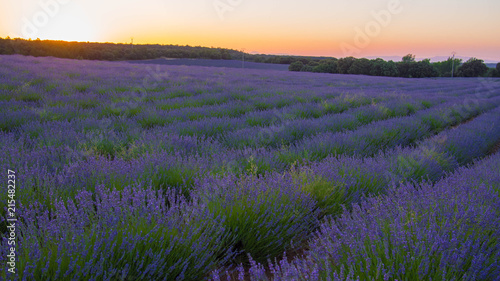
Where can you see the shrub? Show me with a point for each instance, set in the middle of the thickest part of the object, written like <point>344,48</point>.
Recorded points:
<point>296,66</point>
<point>263,217</point>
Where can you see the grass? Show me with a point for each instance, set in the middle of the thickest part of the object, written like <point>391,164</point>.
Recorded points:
<point>264,223</point>
<point>9,124</point>
<point>87,103</point>
<point>28,96</point>
<point>81,88</point>
<point>109,111</point>
<point>173,176</point>
<point>329,195</point>
<point>151,121</point>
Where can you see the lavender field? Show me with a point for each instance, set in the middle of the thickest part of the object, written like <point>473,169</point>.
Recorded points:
<point>162,172</point>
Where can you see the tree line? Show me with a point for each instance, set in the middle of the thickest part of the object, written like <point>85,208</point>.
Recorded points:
<point>117,52</point>
<point>408,67</point>
<point>107,51</point>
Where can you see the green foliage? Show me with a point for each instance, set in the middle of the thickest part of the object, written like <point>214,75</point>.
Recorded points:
<point>296,66</point>
<point>408,58</point>
<point>178,177</point>
<point>82,88</point>
<point>133,111</point>
<point>87,103</point>
<point>109,51</point>
<point>8,124</point>
<point>444,67</point>
<point>344,64</point>
<point>108,111</point>
<point>326,66</point>
<point>73,75</point>
<point>147,238</point>
<point>426,104</point>
<point>492,72</point>
<point>360,66</point>
<point>151,121</point>
<point>28,96</point>
<point>328,195</point>
<point>409,68</point>
<point>107,148</point>
<point>307,68</point>
<point>472,68</point>
<point>379,67</point>
<point>258,222</point>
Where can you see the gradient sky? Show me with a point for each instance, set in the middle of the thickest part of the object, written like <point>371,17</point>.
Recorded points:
<point>425,28</point>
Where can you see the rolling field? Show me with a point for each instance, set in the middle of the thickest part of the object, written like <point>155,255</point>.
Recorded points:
<point>162,172</point>
<point>216,63</point>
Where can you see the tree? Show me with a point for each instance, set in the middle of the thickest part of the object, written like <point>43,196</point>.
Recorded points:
<point>409,58</point>
<point>360,66</point>
<point>472,68</point>
<point>405,67</point>
<point>422,69</point>
<point>296,66</point>
<point>498,67</point>
<point>444,67</point>
<point>326,66</point>
<point>383,68</point>
<point>313,63</point>
<point>492,72</point>
<point>344,64</point>
<point>307,68</point>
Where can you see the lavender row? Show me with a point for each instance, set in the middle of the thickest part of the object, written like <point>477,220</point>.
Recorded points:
<point>122,132</point>
<point>260,217</point>
<point>86,106</point>
<point>231,113</point>
<point>383,135</point>
<point>179,162</point>
<point>137,233</point>
<point>337,183</point>
<point>346,179</point>
<point>442,231</point>
<point>288,131</point>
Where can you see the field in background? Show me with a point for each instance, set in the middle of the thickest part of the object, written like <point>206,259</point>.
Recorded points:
<point>215,63</point>
<point>151,172</point>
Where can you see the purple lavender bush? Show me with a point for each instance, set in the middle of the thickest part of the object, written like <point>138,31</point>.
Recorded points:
<point>133,172</point>
<point>120,235</point>
<point>442,231</point>
<point>263,216</point>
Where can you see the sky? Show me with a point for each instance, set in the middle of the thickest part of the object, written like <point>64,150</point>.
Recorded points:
<point>338,28</point>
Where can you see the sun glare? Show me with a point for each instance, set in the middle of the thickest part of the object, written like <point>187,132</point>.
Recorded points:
<point>70,28</point>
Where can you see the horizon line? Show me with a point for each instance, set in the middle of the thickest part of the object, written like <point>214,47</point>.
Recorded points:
<point>419,58</point>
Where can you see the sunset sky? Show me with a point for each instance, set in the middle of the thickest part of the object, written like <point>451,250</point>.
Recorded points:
<point>337,28</point>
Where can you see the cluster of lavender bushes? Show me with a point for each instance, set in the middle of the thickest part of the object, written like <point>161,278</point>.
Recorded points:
<point>128,172</point>
<point>443,231</point>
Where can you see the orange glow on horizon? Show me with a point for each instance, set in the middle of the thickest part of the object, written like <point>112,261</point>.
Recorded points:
<point>424,28</point>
